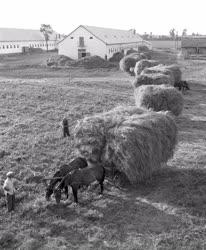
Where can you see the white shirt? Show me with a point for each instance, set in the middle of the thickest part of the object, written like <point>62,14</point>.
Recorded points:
<point>9,185</point>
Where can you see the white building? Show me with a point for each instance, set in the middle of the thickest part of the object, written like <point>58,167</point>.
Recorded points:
<point>20,40</point>
<point>103,42</point>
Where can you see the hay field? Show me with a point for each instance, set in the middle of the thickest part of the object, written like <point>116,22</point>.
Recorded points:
<point>168,212</point>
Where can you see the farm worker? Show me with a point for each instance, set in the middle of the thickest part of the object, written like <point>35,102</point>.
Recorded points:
<point>65,127</point>
<point>9,191</point>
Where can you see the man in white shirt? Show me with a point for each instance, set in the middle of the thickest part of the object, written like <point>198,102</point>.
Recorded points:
<point>9,191</point>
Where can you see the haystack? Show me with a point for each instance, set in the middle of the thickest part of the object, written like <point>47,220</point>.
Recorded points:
<point>176,72</point>
<point>172,70</point>
<point>129,62</point>
<point>144,63</point>
<point>159,98</point>
<point>134,141</point>
<point>152,79</point>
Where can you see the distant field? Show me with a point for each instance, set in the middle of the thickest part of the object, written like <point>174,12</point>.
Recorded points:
<point>165,44</point>
<point>169,212</point>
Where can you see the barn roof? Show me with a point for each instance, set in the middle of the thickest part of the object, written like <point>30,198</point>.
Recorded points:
<point>111,36</point>
<point>194,41</point>
<point>10,34</point>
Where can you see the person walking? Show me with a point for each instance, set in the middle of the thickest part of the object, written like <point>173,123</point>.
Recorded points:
<point>9,191</point>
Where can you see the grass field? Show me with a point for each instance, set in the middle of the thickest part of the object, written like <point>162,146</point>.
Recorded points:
<point>169,212</point>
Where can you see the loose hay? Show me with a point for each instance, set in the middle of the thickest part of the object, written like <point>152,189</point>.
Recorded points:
<point>134,141</point>
<point>159,98</point>
<point>144,63</point>
<point>152,79</point>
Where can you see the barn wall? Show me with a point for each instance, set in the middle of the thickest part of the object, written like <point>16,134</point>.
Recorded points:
<point>70,45</point>
<point>10,47</point>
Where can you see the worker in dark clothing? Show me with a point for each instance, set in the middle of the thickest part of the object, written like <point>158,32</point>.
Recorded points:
<point>65,127</point>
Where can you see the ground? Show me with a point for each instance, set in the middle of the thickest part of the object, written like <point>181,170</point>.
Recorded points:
<point>168,212</point>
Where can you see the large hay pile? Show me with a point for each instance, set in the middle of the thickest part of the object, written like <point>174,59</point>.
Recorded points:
<point>92,62</point>
<point>144,63</point>
<point>152,79</point>
<point>159,98</point>
<point>59,60</point>
<point>134,141</point>
<point>172,70</point>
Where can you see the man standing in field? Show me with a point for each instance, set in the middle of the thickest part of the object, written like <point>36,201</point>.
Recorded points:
<point>9,191</point>
<point>65,126</point>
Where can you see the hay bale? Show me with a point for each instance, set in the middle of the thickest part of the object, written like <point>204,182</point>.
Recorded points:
<point>134,141</point>
<point>159,98</point>
<point>128,62</point>
<point>131,51</point>
<point>142,64</point>
<point>152,79</point>
<point>159,69</point>
<point>176,72</point>
<point>116,57</point>
<point>172,70</point>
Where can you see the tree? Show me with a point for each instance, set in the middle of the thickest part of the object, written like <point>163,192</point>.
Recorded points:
<point>46,29</point>
<point>172,33</point>
<point>184,32</point>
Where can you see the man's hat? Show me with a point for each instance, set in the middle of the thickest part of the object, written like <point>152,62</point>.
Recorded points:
<point>10,174</point>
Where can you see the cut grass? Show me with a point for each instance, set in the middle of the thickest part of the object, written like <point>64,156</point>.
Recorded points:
<point>166,213</point>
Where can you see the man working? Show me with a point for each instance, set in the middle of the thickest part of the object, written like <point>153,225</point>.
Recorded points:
<point>9,191</point>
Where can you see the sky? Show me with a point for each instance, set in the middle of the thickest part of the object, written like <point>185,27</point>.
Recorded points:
<point>156,16</point>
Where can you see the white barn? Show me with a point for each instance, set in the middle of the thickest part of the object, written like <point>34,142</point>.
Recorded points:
<point>103,42</point>
<point>19,40</point>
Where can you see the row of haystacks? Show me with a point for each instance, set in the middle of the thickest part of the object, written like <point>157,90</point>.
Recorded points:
<point>159,98</point>
<point>134,141</point>
<point>138,140</point>
<point>154,86</point>
<point>89,62</point>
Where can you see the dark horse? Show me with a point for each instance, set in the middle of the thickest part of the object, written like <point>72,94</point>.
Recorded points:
<point>182,86</point>
<point>81,177</point>
<point>77,163</point>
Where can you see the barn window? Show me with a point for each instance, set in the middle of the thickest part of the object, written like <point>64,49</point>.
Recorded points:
<point>71,37</point>
<point>17,46</point>
<point>7,46</point>
<point>91,37</point>
<point>3,47</point>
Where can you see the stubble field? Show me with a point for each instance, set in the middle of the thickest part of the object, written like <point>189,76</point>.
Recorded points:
<point>169,212</point>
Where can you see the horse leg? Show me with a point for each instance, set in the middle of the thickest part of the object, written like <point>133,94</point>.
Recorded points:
<point>74,190</point>
<point>101,183</point>
<point>66,191</point>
